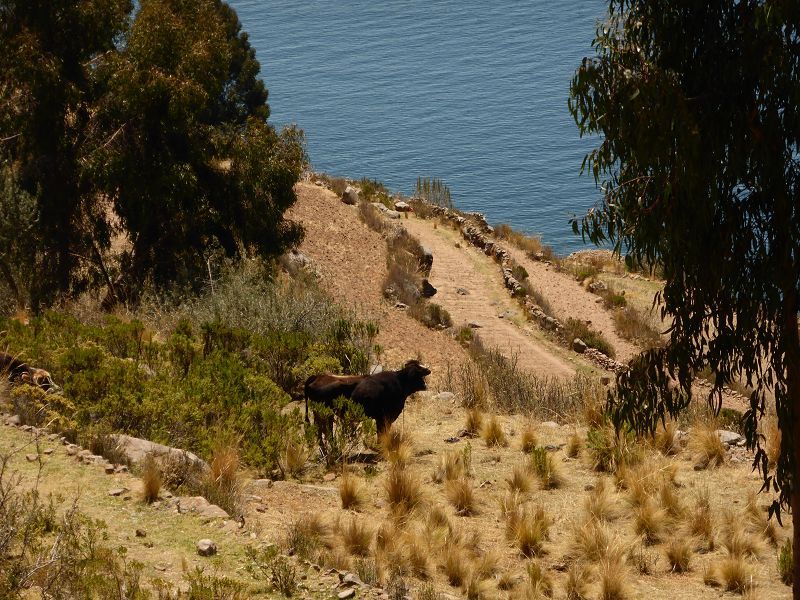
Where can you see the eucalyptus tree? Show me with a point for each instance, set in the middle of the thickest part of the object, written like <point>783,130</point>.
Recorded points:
<point>698,109</point>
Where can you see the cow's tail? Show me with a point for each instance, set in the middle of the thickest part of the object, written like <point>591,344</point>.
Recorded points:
<point>308,382</point>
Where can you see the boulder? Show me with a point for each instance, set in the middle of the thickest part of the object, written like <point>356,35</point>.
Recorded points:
<point>136,450</point>
<point>729,438</point>
<point>201,506</point>
<point>206,547</point>
<point>392,214</point>
<point>350,195</point>
<point>401,206</point>
<point>426,260</point>
<point>428,291</point>
<point>579,345</point>
<point>597,286</point>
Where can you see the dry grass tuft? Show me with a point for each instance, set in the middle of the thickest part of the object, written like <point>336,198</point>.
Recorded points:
<point>396,447</point>
<point>418,556</point>
<point>437,518</point>
<point>307,535</point>
<point>530,531</point>
<point>737,537</point>
<point>734,574</point>
<point>506,581</point>
<point>650,521</point>
<point>708,449</point>
<point>670,500</point>
<point>601,503</point>
<point>293,458</point>
<point>758,520</point>
<point>539,584</point>
<point>151,480</point>
<point>644,559</point>
<point>664,439</point>
<point>474,422</point>
<point>461,495</point>
<point>528,440</point>
<point>336,558</point>
<point>453,464</point>
<point>546,469</point>
<point>476,588</point>
<point>357,537</point>
<point>455,564</point>
<point>679,554</point>
<point>487,564</point>
<point>699,521</point>
<point>591,540</point>
<point>577,586</point>
<point>613,578</point>
<point>493,434</point>
<point>351,492</point>
<point>222,484</point>
<point>519,480</point>
<point>403,490</point>
<point>574,445</point>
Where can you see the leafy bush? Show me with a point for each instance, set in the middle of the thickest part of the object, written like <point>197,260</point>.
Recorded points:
<point>575,328</point>
<point>519,272</point>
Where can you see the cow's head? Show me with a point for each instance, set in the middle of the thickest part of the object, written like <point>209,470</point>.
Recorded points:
<point>414,374</point>
<point>40,378</point>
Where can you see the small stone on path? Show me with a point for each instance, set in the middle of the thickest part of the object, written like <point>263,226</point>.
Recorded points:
<point>117,491</point>
<point>47,451</point>
<point>206,547</point>
<point>348,593</point>
<point>141,533</point>
<point>31,457</point>
<point>329,477</point>
<point>110,470</point>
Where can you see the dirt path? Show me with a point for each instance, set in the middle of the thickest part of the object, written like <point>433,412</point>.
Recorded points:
<point>352,261</point>
<point>487,303</point>
<point>569,299</point>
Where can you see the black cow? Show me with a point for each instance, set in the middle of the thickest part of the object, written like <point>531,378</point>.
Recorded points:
<point>19,372</point>
<point>383,395</point>
<point>323,390</point>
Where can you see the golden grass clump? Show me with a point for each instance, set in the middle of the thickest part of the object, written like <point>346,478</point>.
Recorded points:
<point>336,558</point>
<point>453,464</point>
<point>644,559</point>
<point>455,564</point>
<point>530,531</point>
<point>308,535</point>
<point>574,445</point>
<point>708,449</point>
<point>734,574</point>
<point>670,500</point>
<point>461,495</point>
<point>528,439</point>
<point>650,521</point>
<point>493,434</point>
<point>357,537</point>
<point>758,521</point>
<point>151,480</point>
<point>613,578</point>
<point>519,480</point>
<point>506,581</point>
<point>699,520</point>
<point>293,458</point>
<point>545,468</point>
<point>643,479</point>
<point>665,441</point>
<point>679,554</point>
<point>351,492</point>
<point>396,447</point>
<point>487,564</point>
<point>437,518</point>
<point>418,556</point>
<point>474,422</point>
<point>740,542</point>
<point>601,503</point>
<point>591,540</point>
<point>539,583</point>
<point>577,585</point>
<point>476,588</point>
<point>403,490</point>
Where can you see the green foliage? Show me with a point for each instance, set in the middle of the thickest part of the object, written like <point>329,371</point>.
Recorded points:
<point>610,450</point>
<point>351,428</point>
<point>431,315</point>
<point>211,587</point>
<point>633,325</point>
<point>268,564</point>
<point>433,191</point>
<point>786,562</point>
<point>519,273</point>
<point>575,328</point>
<point>374,191</point>
<point>697,160</point>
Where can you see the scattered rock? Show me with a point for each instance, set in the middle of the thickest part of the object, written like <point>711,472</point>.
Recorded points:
<point>424,452</point>
<point>350,579</point>
<point>597,286</point>
<point>267,483</point>
<point>117,491</point>
<point>47,451</point>
<point>13,420</point>
<point>452,440</point>
<point>579,345</point>
<point>348,593</point>
<point>401,206</point>
<point>400,306</point>
<point>428,291</point>
<point>110,469</point>
<point>729,438</point>
<point>31,457</point>
<point>350,195</point>
<point>329,477</point>
<point>120,469</point>
<point>206,547</point>
<point>462,291</point>
<point>141,533</point>
<point>72,450</point>
<point>201,506</point>
<point>392,214</point>
<point>136,450</point>
<point>162,567</point>
<point>474,325</point>
<point>588,487</point>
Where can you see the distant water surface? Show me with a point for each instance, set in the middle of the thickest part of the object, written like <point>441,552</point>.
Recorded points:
<point>472,92</point>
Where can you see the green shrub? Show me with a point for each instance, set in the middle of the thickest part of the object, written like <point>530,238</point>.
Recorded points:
<point>350,430</point>
<point>583,271</point>
<point>632,325</point>
<point>374,191</point>
<point>519,273</point>
<point>731,419</point>
<point>431,315</point>
<point>610,450</point>
<point>575,328</point>
<point>786,562</point>
<point>433,191</point>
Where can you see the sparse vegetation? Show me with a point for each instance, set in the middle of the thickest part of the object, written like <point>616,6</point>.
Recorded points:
<point>633,325</point>
<point>575,328</point>
<point>528,439</point>
<point>403,490</point>
<point>519,481</point>
<point>708,449</point>
<point>544,467</point>
<point>461,495</point>
<point>785,562</point>
<point>679,554</point>
<point>493,434</point>
<point>351,492</point>
<point>151,480</point>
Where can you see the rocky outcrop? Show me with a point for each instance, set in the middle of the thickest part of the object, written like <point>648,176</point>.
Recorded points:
<point>350,195</point>
<point>137,449</point>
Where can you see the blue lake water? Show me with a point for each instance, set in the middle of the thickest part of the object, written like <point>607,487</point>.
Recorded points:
<point>474,93</point>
